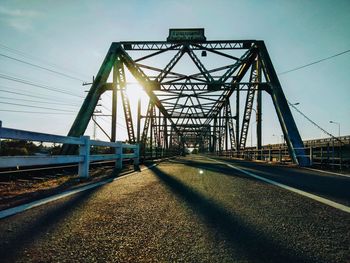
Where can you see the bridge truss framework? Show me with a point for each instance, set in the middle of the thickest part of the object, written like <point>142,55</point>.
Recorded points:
<point>192,109</point>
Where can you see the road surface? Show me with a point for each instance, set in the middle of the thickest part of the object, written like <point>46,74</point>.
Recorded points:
<point>189,209</point>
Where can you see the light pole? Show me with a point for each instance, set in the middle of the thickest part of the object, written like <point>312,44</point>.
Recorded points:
<point>337,123</point>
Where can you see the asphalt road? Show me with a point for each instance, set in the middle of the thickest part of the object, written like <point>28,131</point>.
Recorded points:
<point>190,209</point>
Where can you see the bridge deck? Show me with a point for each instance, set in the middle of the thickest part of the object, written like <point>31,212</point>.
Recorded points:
<point>189,209</point>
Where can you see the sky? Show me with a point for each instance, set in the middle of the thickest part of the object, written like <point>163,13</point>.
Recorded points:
<point>72,38</point>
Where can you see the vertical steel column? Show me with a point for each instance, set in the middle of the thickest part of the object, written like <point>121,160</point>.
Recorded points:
<point>138,121</point>
<point>226,125</point>
<point>258,118</point>
<point>214,135</point>
<point>259,111</point>
<point>145,129</point>
<point>151,135</point>
<point>220,129</point>
<point>159,144</point>
<point>114,102</point>
<point>237,120</point>
<point>166,144</point>
<point>171,140</point>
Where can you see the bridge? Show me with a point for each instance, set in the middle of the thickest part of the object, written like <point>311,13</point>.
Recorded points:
<point>225,202</point>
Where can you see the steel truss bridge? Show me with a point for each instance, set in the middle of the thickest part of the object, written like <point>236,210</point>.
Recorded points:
<point>190,98</point>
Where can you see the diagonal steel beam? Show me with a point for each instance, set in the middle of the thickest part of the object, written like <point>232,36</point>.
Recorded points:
<point>173,47</point>
<point>235,66</point>
<point>255,76</point>
<point>200,66</point>
<point>148,85</point>
<point>170,65</point>
<point>285,117</point>
<point>87,109</point>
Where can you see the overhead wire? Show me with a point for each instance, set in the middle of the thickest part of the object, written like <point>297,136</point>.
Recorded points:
<point>42,61</point>
<point>24,81</point>
<point>37,101</point>
<point>312,122</point>
<point>38,112</point>
<point>40,67</point>
<point>108,121</point>
<point>110,111</point>
<point>35,96</point>
<point>314,62</point>
<point>298,110</point>
<point>42,86</point>
<point>37,107</point>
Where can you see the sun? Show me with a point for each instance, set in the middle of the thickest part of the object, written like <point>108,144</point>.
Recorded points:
<point>135,92</point>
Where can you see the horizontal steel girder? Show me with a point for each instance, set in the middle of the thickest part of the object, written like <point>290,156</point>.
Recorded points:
<point>161,45</point>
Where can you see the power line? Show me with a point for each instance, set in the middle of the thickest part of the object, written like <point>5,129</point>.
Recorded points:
<point>37,101</point>
<point>117,115</point>
<point>107,108</point>
<point>38,112</point>
<point>31,106</point>
<point>314,123</point>
<point>31,96</point>
<point>42,86</point>
<point>315,62</point>
<point>26,55</point>
<point>40,67</point>
<point>108,122</point>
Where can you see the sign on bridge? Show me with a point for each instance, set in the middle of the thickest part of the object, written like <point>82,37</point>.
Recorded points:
<point>187,34</point>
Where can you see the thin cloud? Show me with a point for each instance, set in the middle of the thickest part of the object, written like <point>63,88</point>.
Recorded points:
<point>18,19</point>
<point>19,24</point>
<point>18,12</point>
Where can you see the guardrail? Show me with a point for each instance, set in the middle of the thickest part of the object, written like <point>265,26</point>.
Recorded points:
<point>330,155</point>
<point>84,158</point>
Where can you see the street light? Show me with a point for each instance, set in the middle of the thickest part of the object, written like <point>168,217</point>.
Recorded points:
<point>295,104</point>
<point>337,123</point>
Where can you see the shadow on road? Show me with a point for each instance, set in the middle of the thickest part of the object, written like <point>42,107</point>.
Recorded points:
<point>26,233</point>
<point>252,244</point>
<point>214,167</point>
<point>334,187</point>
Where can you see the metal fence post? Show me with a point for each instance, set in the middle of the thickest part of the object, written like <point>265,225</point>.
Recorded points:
<point>0,132</point>
<point>137,157</point>
<point>280,154</point>
<point>311,155</point>
<point>84,151</point>
<point>119,152</point>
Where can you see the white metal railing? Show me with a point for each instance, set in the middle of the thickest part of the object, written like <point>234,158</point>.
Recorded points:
<point>84,158</point>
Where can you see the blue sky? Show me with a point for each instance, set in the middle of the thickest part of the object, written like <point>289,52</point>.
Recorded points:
<point>74,36</point>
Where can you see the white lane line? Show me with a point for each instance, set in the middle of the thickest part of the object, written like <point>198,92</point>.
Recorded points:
<point>21,208</point>
<point>24,207</point>
<point>292,189</point>
<point>326,172</point>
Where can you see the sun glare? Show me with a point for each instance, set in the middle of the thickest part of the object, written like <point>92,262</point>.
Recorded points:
<point>135,92</point>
